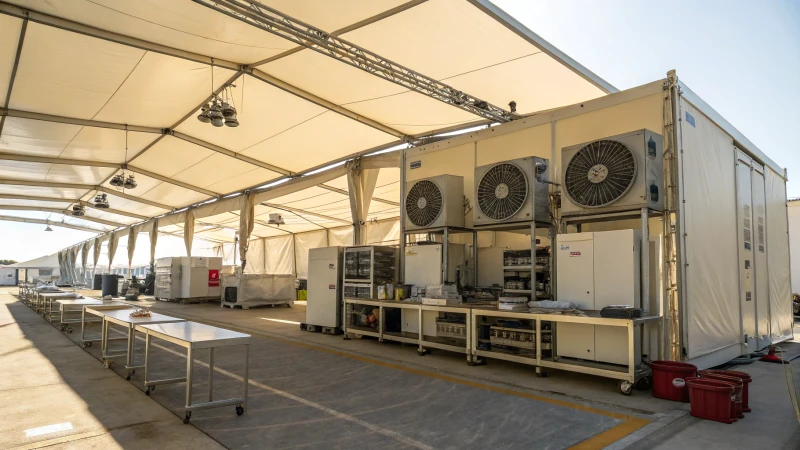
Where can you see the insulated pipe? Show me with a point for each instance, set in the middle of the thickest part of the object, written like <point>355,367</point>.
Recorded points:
<point>645,256</point>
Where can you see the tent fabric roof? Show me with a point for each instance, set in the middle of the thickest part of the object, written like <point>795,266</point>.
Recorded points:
<point>42,262</point>
<point>78,74</point>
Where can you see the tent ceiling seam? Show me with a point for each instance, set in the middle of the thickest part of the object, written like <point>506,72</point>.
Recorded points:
<point>17,56</point>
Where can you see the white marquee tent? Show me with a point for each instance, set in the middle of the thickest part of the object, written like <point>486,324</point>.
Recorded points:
<point>97,87</point>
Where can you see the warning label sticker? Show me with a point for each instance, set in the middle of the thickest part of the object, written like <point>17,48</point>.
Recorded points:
<point>571,254</point>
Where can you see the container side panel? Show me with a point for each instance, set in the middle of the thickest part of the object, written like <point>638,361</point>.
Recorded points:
<point>780,294</point>
<point>712,294</point>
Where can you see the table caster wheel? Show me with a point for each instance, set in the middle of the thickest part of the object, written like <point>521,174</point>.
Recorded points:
<point>69,330</point>
<point>187,417</point>
<point>107,364</point>
<point>471,363</point>
<point>63,328</point>
<point>625,387</point>
<point>88,344</point>
<point>422,352</point>
<point>83,345</point>
<point>149,390</point>
<point>541,375</point>
<point>239,410</point>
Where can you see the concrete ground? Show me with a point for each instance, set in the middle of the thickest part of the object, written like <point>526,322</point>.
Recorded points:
<point>319,391</point>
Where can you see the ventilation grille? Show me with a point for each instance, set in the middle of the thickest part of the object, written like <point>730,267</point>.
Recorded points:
<point>502,191</point>
<point>600,173</point>
<point>424,203</point>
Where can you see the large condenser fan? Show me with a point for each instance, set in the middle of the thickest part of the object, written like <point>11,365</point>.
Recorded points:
<point>600,173</point>
<point>502,191</point>
<point>424,203</point>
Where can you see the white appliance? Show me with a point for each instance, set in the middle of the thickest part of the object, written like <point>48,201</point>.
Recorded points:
<point>423,267</point>
<point>511,191</point>
<point>617,173</point>
<point>435,202</point>
<point>324,287</point>
<point>596,270</point>
<point>188,278</point>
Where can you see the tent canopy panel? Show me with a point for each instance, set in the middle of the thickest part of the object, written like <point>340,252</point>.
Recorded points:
<point>223,174</point>
<point>35,203</point>
<point>104,215</point>
<point>36,137</point>
<point>158,191</point>
<point>324,138</point>
<point>160,90</point>
<point>309,198</point>
<point>56,218</point>
<point>126,205</point>
<point>69,74</point>
<point>58,173</point>
<point>106,145</point>
<point>10,28</point>
<point>170,156</point>
<point>38,191</point>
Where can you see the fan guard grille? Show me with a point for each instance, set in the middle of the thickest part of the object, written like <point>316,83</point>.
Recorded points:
<point>424,203</point>
<point>502,191</point>
<point>600,173</point>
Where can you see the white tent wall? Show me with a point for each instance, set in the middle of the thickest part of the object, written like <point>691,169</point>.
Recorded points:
<point>780,293</point>
<point>712,307</point>
<point>303,242</point>
<point>794,242</point>
<point>256,258</point>
<point>279,253</point>
<point>342,236</point>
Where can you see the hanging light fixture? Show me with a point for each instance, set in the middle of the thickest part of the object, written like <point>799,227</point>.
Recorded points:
<point>119,179</point>
<point>219,111</point>
<point>130,182</point>
<point>101,201</point>
<point>48,227</point>
<point>78,210</point>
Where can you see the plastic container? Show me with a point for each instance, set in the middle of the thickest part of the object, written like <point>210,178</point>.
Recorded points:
<point>669,379</point>
<point>711,399</point>
<point>746,380</point>
<point>110,285</point>
<point>738,385</point>
<point>97,282</point>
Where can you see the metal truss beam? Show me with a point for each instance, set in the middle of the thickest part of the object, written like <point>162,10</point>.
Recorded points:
<point>47,222</point>
<point>132,198</point>
<point>368,21</point>
<point>344,192</point>
<point>74,121</point>
<point>36,198</point>
<point>86,30</point>
<point>303,211</point>
<point>293,30</point>
<point>64,212</point>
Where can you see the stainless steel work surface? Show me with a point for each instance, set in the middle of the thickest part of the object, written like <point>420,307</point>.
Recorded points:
<point>124,315</point>
<point>58,295</point>
<point>80,301</point>
<point>198,334</point>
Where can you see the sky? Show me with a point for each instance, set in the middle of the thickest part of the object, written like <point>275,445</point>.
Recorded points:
<point>741,57</point>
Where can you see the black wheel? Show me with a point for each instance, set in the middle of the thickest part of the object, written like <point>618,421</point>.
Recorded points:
<point>239,410</point>
<point>69,330</point>
<point>625,387</point>
<point>88,344</point>
<point>128,377</point>
<point>147,391</point>
<point>188,416</point>
<point>541,374</point>
<point>422,352</point>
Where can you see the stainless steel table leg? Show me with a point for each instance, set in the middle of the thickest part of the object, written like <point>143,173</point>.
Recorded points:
<point>246,373</point>
<point>147,361</point>
<point>189,366</point>
<point>131,345</point>
<point>83,325</point>
<point>210,373</point>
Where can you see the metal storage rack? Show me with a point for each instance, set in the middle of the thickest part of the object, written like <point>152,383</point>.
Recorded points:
<point>521,261</point>
<point>366,267</point>
<point>419,339</point>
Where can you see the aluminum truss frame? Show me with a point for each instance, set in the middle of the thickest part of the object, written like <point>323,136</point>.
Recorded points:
<point>301,33</point>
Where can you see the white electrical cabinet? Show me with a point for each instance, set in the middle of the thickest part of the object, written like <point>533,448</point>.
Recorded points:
<point>188,278</point>
<point>324,287</point>
<point>424,268</point>
<point>596,270</point>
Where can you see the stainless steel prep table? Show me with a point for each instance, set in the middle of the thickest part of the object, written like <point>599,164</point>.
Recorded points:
<point>46,299</point>
<point>98,311</point>
<point>69,305</point>
<point>123,317</point>
<point>195,336</point>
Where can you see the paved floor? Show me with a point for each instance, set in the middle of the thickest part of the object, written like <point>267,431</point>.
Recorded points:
<point>318,391</point>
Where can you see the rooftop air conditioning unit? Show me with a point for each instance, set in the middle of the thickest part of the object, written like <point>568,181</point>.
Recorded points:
<point>435,202</point>
<point>512,191</point>
<point>618,173</point>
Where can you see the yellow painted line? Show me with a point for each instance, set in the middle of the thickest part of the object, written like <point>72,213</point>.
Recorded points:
<point>629,423</point>
<point>611,435</point>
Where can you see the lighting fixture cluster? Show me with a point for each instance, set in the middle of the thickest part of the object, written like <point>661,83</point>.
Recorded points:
<point>220,110</point>
<point>101,201</point>
<point>119,180</point>
<point>78,210</point>
<point>275,219</point>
